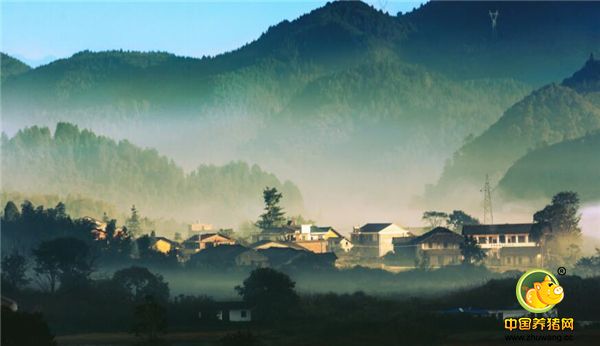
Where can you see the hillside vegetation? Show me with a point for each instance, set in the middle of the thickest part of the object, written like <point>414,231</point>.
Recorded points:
<point>572,165</point>
<point>74,161</point>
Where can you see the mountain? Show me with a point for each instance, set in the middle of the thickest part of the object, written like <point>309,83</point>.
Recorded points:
<point>10,66</point>
<point>547,116</point>
<point>586,80</point>
<point>78,162</point>
<point>533,41</point>
<point>347,101</point>
<point>572,165</point>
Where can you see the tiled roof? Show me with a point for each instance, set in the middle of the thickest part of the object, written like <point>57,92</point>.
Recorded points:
<point>374,227</point>
<point>497,229</point>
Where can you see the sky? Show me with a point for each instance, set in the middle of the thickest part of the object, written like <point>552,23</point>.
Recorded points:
<point>39,32</point>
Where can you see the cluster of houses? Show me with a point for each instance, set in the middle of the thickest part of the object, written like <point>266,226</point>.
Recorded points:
<point>507,246</point>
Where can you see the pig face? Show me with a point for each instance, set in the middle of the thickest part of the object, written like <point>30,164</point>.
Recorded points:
<point>548,292</point>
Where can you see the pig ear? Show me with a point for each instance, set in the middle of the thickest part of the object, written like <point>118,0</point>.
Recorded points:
<point>537,286</point>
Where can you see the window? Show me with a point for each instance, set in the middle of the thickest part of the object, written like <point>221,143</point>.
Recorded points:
<point>493,240</point>
<point>445,245</point>
<point>503,239</point>
<point>482,240</point>
<point>243,313</point>
<point>513,239</point>
<point>521,239</point>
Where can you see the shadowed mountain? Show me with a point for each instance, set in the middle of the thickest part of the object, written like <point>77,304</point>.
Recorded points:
<point>566,166</point>
<point>547,116</point>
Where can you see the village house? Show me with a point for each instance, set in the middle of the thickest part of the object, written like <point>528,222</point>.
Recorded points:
<point>267,244</point>
<point>438,247</point>
<point>321,239</point>
<point>506,245</point>
<point>198,228</point>
<point>375,239</point>
<point>233,312</point>
<point>164,245</point>
<point>199,242</point>
<point>283,233</point>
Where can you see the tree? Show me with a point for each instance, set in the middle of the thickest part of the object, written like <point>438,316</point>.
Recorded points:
<point>471,251</point>
<point>459,218</point>
<point>138,283</point>
<point>25,329</point>
<point>149,320</point>
<point>274,215</point>
<point>557,229</point>
<point>11,212</point>
<point>64,260</point>
<point>435,218</point>
<point>133,222</point>
<point>562,215</point>
<point>14,269</point>
<point>270,292</point>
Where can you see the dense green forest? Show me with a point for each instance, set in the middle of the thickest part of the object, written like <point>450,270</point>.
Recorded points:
<point>325,91</point>
<point>573,165</point>
<point>78,162</point>
<point>11,66</point>
<point>550,115</point>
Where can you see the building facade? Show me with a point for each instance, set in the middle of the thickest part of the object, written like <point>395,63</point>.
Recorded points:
<point>506,245</point>
<point>376,239</point>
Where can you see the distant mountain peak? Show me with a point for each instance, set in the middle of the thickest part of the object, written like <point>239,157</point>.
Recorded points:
<point>587,79</point>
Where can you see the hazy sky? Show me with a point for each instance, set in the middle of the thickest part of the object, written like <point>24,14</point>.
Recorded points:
<point>38,32</point>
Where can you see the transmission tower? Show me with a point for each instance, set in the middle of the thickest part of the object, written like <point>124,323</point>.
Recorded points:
<point>494,18</point>
<point>488,215</point>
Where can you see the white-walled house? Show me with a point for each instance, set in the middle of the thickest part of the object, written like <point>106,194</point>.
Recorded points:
<point>376,239</point>
<point>234,312</point>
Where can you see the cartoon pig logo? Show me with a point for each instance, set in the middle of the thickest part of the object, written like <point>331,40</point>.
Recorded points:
<point>545,293</point>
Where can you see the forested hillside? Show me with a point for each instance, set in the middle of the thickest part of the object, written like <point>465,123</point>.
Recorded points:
<point>10,66</point>
<point>572,165</point>
<point>324,92</point>
<point>74,161</point>
<point>547,116</point>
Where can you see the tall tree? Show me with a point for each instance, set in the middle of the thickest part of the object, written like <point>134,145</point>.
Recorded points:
<point>63,260</point>
<point>557,229</point>
<point>150,320</point>
<point>14,269</point>
<point>435,218</point>
<point>459,218</point>
<point>11,212</point>
<point>273,215</point>
<point>271,292</point>
<point>133,222</point>
<point>471,251</point>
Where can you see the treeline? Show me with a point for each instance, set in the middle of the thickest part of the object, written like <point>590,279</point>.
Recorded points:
<point>74,161</point>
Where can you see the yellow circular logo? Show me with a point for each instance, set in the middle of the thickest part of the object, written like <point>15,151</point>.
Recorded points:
<point>538,291</point>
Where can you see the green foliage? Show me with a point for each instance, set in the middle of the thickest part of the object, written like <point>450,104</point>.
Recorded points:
<point>80,162</point>
<point>471,251</point>
<point>273,215</point>
<point>568,165</point>
<point>14,271</point>
<point>270,292</point>
<point>435,218</point>
<point>137,283</point>
<point>558,230</point>
<point>63,260</point>
<point>459,218</point>
<point>11,67</point>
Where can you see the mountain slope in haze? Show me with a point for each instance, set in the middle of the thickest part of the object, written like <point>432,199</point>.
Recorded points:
<point>547,116</point>
<point>78,162</point>
<point>10,66</point>
<point>533,41</point>
<point>572,165</point>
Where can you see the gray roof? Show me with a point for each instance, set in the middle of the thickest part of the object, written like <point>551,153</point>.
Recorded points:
<point>439,233</point>
<point>497,229</point>
<point>374,227</point>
